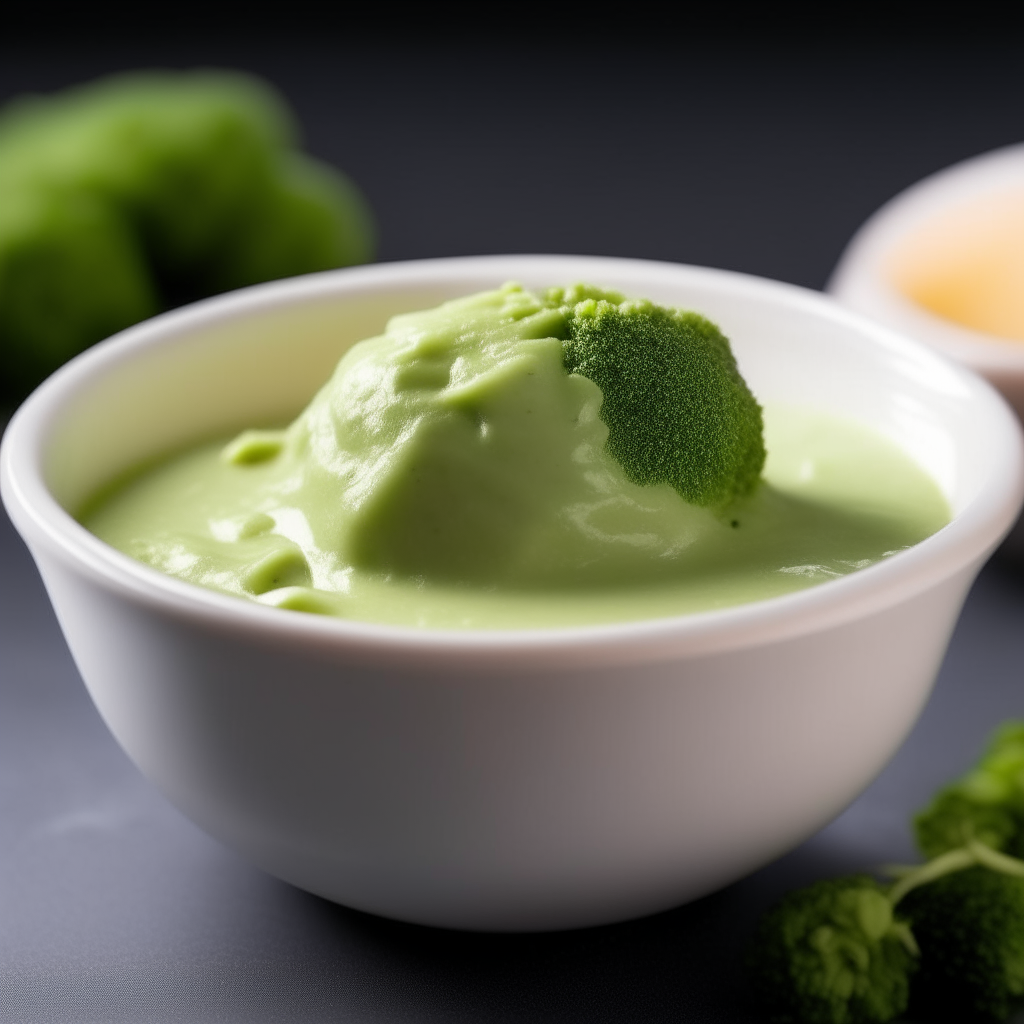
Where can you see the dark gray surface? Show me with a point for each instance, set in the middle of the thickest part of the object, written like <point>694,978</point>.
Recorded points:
<point>112,906</point>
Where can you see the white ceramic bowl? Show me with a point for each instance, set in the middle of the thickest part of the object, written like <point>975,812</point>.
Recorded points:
<point>502,780</point>
<point>863,277</point>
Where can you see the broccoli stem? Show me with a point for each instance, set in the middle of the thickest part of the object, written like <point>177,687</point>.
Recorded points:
<point>997,861</point>
<point>971,854</point>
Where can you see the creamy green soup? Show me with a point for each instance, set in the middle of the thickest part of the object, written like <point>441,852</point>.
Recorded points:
<point>454,474</point>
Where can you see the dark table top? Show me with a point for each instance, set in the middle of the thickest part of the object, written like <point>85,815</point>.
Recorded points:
<point>756,157</point>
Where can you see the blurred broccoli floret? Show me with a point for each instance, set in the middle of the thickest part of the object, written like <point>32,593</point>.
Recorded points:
<point>71,272</point>
<point>987,804</point>
<point>832,953</point>
<point>196,183</point>
<point>953,817</point>
<point>970,928</point>
<point>676,407</point>
<point>838,953</point>
<point>314,219</point>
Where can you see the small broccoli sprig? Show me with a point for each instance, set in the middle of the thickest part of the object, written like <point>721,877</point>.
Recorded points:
<point>676,407</point>
<point>987,804</point>
<point>837,952</point>
<point>833,953</point>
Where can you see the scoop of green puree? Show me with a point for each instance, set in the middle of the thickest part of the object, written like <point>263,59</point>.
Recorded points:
<point>510,435</point>
<point>137,193</point>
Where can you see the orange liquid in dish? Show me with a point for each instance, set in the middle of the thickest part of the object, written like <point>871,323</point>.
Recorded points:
<point>968,265</point>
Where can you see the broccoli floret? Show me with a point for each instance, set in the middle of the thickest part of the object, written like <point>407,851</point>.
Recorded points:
<point>838,953</point>
<point>955,817</point>
<point>970,929</point>
<point>832,953</point>
<point>676,407</point>
<point>963,911</point>
<point>194,183</point>
<point>71,273</point>
<point>987,804</point>
<point>311,219</point>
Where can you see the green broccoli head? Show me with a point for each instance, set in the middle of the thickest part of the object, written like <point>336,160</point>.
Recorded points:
<point>200,188</point>
<point>71,273</point>
<point>676,407</point>
<point>987,804</point>
<point>832,953</point>
<point>312,218</point>
<point>954,818</point>
<point>970,929</point>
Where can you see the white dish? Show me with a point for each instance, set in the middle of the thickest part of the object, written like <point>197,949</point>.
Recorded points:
<point>863,278</point>
<point>502,780</point>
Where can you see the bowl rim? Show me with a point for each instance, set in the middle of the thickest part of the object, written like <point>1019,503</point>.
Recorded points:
<point>859,277</point>
<point>50,530</point>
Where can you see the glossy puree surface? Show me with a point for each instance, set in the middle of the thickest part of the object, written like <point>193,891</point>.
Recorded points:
<point>453,474</point>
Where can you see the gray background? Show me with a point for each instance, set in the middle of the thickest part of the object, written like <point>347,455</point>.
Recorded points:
<point>756,155</point>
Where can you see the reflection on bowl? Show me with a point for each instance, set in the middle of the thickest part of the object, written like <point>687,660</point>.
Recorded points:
<point>512,780</point>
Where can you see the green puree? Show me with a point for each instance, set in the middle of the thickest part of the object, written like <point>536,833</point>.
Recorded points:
<point>455,473</point>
